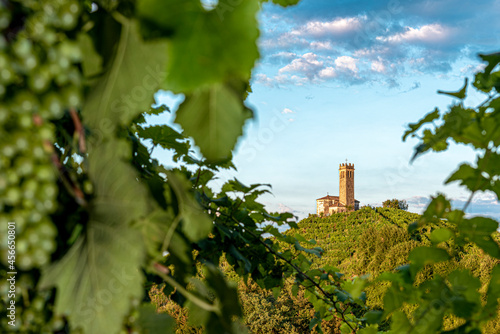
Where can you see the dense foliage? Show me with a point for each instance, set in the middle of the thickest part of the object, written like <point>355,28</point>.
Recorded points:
<point>98,220</point>
<point>366,242</point>
<point>395,204</point>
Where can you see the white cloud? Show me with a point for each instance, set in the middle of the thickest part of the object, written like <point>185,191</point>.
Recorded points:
<point>288,111</point>
<point>284,54</point>
<point>327,73</point>
<point>346,62</point>
<point>308,64</point>
<point>337,26</point>
<point>321,45</point>
<point>430,33</point>
<point>263,79</point>
<point>378,66</point>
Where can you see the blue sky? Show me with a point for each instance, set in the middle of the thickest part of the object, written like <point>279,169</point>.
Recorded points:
<point>340,80</point>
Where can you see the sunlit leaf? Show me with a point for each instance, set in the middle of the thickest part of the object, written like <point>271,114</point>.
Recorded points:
<point>101,272</point>
<point>459,94</point>
<point>214,117</point>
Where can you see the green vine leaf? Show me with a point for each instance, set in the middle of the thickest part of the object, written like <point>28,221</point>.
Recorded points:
<point>206,47</point>
<point>493,293</point>
<point>151,322</point>
<point>424,255</point>
<point>127,88</point>
<point>196,224</point>
<point>461,94</point>
<point>99,275</point>
<point>479,230</point>
<point>214,117</point>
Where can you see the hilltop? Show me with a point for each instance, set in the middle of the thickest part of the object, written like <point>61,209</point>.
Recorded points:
<point>359,242</point>
<point>372,241</point>
<point>367,241</point>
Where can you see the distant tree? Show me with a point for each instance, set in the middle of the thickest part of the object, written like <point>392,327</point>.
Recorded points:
<point>396,204</point>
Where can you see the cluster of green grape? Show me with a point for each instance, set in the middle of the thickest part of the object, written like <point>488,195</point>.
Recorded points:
<point>35,316</point>
<point>40,80</point>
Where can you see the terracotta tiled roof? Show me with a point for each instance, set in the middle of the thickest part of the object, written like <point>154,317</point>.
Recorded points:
<point>335,198</point>
<point>329,197</point>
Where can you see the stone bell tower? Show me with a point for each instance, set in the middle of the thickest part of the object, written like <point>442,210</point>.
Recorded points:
<point>346,185</point>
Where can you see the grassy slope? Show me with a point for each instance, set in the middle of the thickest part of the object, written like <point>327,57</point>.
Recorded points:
<point>374,241</point>
<point>362,242</point>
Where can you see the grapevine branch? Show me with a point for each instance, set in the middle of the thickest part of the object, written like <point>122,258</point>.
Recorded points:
<point>79,130</point>
<point>327,295</point>
<point>197,301</point>
<point>70,184</point>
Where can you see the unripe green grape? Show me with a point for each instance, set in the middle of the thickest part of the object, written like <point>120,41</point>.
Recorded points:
<point>3,183</point>
<point>24,261</point>
<point>34,217</point>
<point>40,80</point>
<point>69,15</point>
<point>22,143</point>
<point>49,38</point>
<point>29,189</point>
<point>20,217</point>
<point>25,102</point>
<point>29,63</point>
<point>4,163</point>
<point>6,75</point>
<point>4,114</point>
<point>47,191</point>
<point>52,102</point>
<point>45,173</point>
<point>63,62</point>
<point>45,205</point>
<point>22,246</point>
<point>33,237</point>
<point>12,177</point>
<point>28,316</point>
<point>88,187</point>
<point>4,287</point>
<point>72,97</point>
<point>57,323</point>
<point>24,166</point>
<point>74,77</point>
<point>47,229</point>
<point>25,121</point>
<point>54,69</point>
<point>47,245</point>
<point>22,47</point>
<point>28,203</point>
<point>4,18</point>
<point>12,196</point>
<point>46,133</point>
<point>38,304</point>
<point>36,26</point>
<point>40,257</point>
<point>8,150</point>
<point>70,50</point>
<point>38,153</point>
<point>30,185</point>
<point>4,60</point>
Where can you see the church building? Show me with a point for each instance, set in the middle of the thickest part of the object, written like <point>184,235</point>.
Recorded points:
<point>345,201</point>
